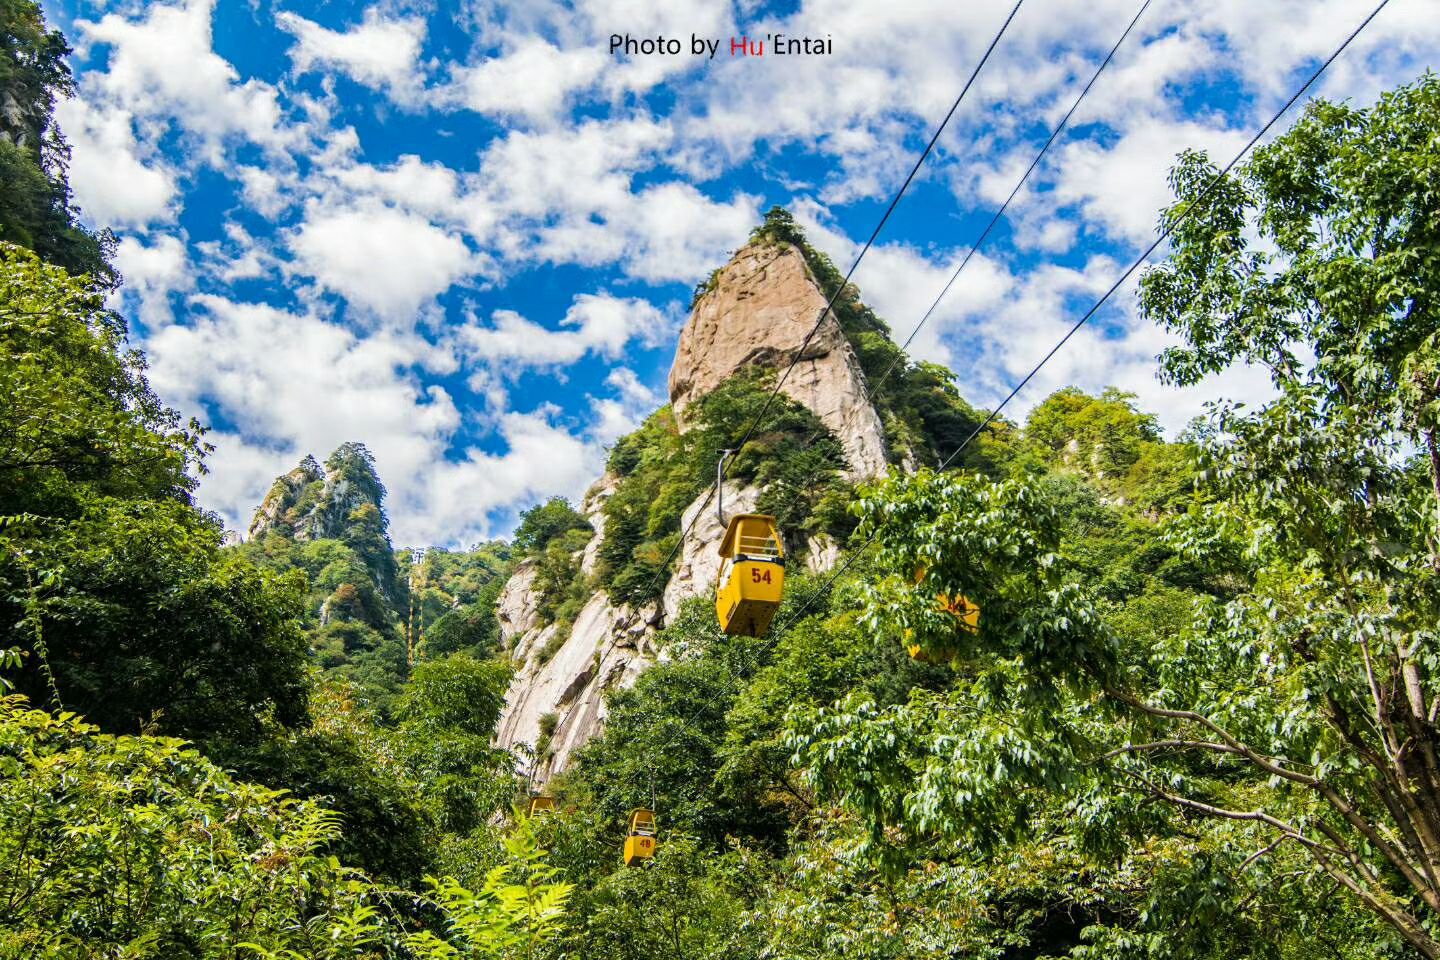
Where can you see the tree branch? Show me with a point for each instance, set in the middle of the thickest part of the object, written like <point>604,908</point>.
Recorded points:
<point>1342,806</point>
<point>1130,748</point>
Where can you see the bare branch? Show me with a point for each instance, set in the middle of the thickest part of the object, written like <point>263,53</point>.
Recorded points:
<point>1130,748</point>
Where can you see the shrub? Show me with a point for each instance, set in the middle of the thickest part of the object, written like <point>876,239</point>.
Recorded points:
<point>543,523</point>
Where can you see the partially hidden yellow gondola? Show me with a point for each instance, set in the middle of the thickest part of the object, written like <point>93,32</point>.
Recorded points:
<point>967,619</point>
<point>640,839</point>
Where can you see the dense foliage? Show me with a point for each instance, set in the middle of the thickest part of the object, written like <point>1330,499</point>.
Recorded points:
<point>118,599</point>
<point>35,206</point>
<point>110,577</point>
<point>141,847</point>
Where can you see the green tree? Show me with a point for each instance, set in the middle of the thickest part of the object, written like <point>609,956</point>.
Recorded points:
<point>140,847</point>
<point>472,629</point>
<point>448,716</point>
<point>1292,721</point>
<point>110,576</point>
<point>686,904</point>
<point>35,207</point>
<point>447,713</point>
<point>1103,435</point>
<point>1343,206</point>
<point>546,521</point>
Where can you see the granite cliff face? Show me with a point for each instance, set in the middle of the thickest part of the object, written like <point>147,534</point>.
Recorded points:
<point>756,311</point>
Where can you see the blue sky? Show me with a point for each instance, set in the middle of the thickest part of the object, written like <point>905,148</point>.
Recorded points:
<point>466,234</point>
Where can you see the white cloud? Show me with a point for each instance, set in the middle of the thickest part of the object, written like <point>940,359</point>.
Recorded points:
<point>431,189</point>
<point>640,18</point>
<point>677,233</point>
<point>164,67</point>
<point>239,257</point>
<point>1123,187</point>
<point>381,52</point>
<point>380,259</point>
<point>152,273</point>
<point>900,284</point>
<point>457,498</point>
<point>633,402</point>
<point>264,190</point>
<point>567,196</point>
<point>113,184</point>
<point>631,391</point>
<point>292,384</point>
<point>535,80</point>
<point>595,324</point>
<point>573,172</point>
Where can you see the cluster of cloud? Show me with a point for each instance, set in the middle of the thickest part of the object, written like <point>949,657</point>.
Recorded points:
<point>344,298</point>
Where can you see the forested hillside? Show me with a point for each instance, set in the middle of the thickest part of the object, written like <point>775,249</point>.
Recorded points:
<point>1196,716</point>
<point>372,611</point>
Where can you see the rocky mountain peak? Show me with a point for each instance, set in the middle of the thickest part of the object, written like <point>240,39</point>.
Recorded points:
<point>312,502</point>
<point>343,500</point>
<point>756,311</point>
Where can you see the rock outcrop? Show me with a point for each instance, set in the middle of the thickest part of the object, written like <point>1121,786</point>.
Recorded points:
<point>313,502</point>
<point>556,701</point>
<point>560,682</point>
<point>757,311</point>
<point>277,511</point>
<point>343,500</point>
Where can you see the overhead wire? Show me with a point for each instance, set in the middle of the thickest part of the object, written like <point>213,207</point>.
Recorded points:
<point>872,389</point>
<point>688,721</point>
<point>834,296</point>
<point>1163,235</point>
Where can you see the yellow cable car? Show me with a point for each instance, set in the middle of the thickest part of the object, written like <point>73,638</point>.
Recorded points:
<point>752,575</point>
<point>539,803</point>
<point>967,617</point>
<point>640,843</point>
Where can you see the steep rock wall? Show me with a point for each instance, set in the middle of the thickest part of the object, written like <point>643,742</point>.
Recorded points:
<point>609,645</point>
<point>758,310</point>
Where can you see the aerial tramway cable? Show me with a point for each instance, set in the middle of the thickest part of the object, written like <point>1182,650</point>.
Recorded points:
<point>780,382</point>
<point>797,615</point>
<point>873,390</point>
<point>1139,261</point>
<point>717,491</point>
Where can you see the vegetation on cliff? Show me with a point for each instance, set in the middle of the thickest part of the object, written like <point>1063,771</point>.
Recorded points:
<point>794,459</point>
<point>35,205</point>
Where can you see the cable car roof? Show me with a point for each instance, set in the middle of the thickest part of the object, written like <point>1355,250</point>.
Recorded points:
<point>728,546</point>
